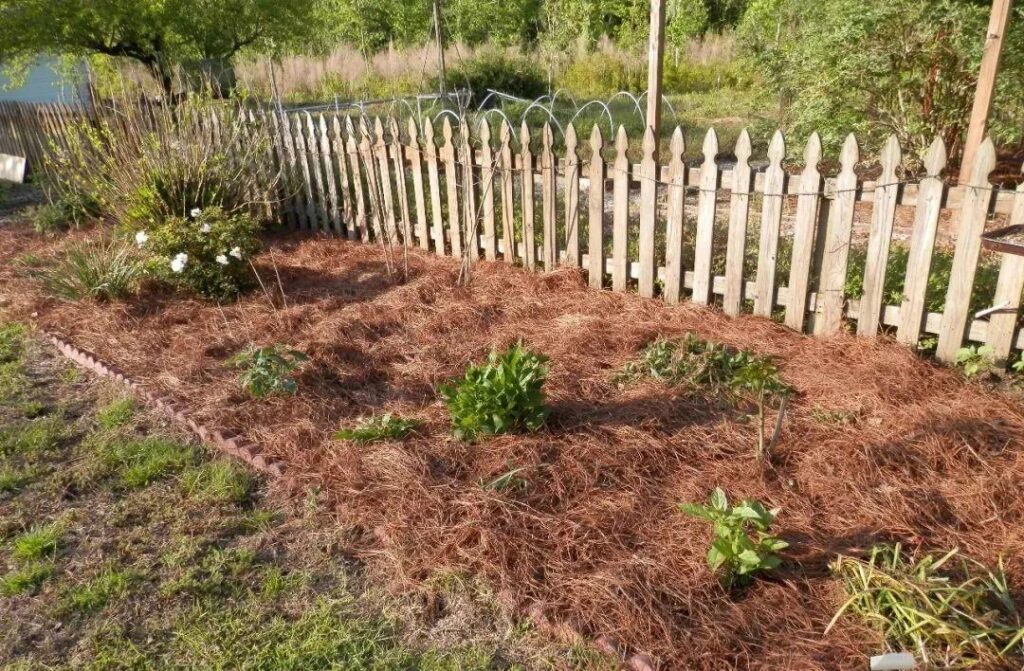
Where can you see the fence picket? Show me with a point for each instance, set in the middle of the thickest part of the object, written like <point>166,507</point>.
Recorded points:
<point>310,220</point>
<point>879,240</point>
<point>648,212</point>
<point>548,190</point>
<point>401,185</point>
<point>506,166</point>
<point>352,151</point>
<point>317,169</point>
<point>416,160</point>
<point>373,190</point>
<point>804,229</point>
<point>527,192</point>
<point>922,244</point>
<point>677,173</point>
<point>329,177</point>
<point>489,239</point>
<point>771,222</point>
<point>296,206</point>
<point>595,210</point>
<point>340,155</point>
<point>471,216</point>
<point>832,285</point>
<point>432,153</point>
<point>620,215</point>
<point>739,211</point>
<point>572,199</point>
<point>451,180</point>
<point>1002,325</point>
<point>387,194</point>
<point>706,201</point>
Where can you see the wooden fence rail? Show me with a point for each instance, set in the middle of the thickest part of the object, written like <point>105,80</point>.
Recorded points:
<point>779,243</point>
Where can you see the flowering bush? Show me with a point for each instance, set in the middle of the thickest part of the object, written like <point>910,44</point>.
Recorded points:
<point>206,253</point>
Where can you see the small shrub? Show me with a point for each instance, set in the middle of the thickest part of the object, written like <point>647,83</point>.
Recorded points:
<point>219,481</point>
<point>206,253</point>
<point>383,427</point>
<point>514,74</point>
<point>742,544</point>
<point>25,579</point>
<point>38,543</point>
<point>954,617</point>
<point>760,377</point>
<point>974,359</point>
<point>117,413</point>
<point>501,396</point>
<point>691,360</point>
<point>68,210</point>
<point>94,270</point>
<point>268,370</point>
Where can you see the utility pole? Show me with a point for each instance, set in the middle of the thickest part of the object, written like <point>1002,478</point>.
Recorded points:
<point>440,47</point>
<point>997,24</point>
<point>655,61</point>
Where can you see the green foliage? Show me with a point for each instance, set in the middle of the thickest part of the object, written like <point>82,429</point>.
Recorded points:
<point>378,427</point>
<point>25,579</point>
<point>206,253</point>
<point>503,395</point>
<point>68,210</point>
<point>110,585</point>
<point>1018,365</point>
<point>220,481</point>
<point>268,370</point>
<point>14,480</point>
<point>974,359</point>
<point>139,462</point>
<point>40,542</point>
<point>503,71</point>
<point>12,341</point>
<point>117,413</point>
<point>32,438</point>
<point>100,271</point>
<point>904,66</point>
<point>742,543</point>
<point>952,617</point>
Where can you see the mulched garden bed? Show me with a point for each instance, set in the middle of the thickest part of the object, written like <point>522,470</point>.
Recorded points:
<point>878,445</point>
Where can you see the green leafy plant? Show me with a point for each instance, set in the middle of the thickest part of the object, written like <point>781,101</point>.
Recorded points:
<point>1018,365</point>
<point>503,395</point>
<point>206,253</point>
<point>66,210</point>
<point>953,616</point>
<point>974,359</point>
<point>268,370</point>
<point>759,377</point>
<point>378,427</point>
<point>742,543</point>
<point>100,271</point>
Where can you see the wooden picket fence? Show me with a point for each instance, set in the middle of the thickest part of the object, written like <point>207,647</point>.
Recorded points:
<point>475,194</point>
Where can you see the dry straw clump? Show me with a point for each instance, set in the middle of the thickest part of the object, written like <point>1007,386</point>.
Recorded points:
<point>587,525</point>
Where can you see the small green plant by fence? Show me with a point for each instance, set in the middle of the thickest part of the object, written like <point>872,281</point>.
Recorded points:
<point>818,252</point>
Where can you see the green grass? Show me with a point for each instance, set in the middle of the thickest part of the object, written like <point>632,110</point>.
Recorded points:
<point>139,462</point>
<point>38,543</point>
<point>33,438</point>
<point>13,479</point>
<point>93,595</point>
<point>25,579</point>
<point>117,413</point>
<point>220,481</point>
<point>12,341</point>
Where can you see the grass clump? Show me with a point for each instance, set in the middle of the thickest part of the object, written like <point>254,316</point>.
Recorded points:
<point>742,545</point>
<point>220,481</point>
<point>952,616</point>
<point>503,395</point>
<point>25,579</point>
<point>32,438</point>
<point>14,480</point>
<point>383,427</point>
<point>268,370</point>
<point>38,543</point>
<point>140,462</point>
<point>111,584</point>
<point>94,271</point>
<point>12,342</point>
<point>116,414</point>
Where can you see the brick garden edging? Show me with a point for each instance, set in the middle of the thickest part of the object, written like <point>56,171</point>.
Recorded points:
<point>249,452</point>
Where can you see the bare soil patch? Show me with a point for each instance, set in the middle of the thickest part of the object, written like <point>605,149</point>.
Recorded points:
<point>879,444</point>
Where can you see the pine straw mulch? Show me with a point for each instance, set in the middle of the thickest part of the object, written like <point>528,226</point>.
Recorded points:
<point>920,456</point>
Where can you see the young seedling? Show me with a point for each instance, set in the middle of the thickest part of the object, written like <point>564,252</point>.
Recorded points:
<point>742,545</point>
<point>974,360</point>
<point>268,370</point>
<point>383,427</point>
<point>760,377</point>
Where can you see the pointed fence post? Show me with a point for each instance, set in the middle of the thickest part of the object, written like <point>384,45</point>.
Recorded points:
<point>739,212</point>
<point>416,161</point>
<point>549,188</point>
<point>706,202</point>
<point>832,286</point>
<point>527,190</point>
<point>620,215</point>
<point>508,220</point>
<point>648,212</point>
<point>595,211</point>
<point>1002,326</point>
<point>677,173</point>
<point>887,192</point>
<point>771,222</point>
<point>804,229</point>
<point>434,178</point>
<point>572,199</point>
<point>487,190</point>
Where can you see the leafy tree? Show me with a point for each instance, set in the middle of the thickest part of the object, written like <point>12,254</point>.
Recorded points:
<point>159,34</point>
<point>876,67</point>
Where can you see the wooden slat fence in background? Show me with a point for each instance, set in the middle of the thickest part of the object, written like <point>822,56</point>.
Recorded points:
<point>775,242</point>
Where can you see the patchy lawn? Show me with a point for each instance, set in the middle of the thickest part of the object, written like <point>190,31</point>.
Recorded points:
<point>123,545</point>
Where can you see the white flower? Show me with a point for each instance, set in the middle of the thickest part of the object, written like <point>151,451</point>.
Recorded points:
<point>195,212</point>
<point>179,261</point>
<point>141,238</point>
<point>205,228</point>
<point>236,252</point>
<point>222,260</point>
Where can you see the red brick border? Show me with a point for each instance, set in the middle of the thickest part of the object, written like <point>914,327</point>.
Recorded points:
<point>249,452</point>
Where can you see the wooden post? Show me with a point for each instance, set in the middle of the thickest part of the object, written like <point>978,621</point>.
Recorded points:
<point>440,48</point>
<point>997,25</point>
<point>655,58</point>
